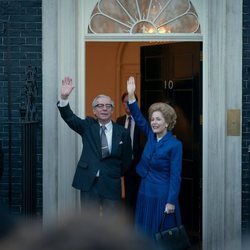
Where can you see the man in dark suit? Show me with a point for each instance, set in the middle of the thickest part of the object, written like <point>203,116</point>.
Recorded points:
<point>131,178</point>
<point>100,167</point>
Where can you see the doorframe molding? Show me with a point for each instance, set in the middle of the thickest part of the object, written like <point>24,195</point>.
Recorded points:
<point>64,54</point>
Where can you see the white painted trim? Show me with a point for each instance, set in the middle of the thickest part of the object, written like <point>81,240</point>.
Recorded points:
<point>50,93</point>
<point>59,60</point>
<point>222,89</point>
<point>194,37</point>
<point>67,66</point>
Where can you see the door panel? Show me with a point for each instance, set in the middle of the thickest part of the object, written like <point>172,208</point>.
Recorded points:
<point>153,73</point>
<point>182,103</point>
<point>154,96</point>
<point>182,68</point>
<point>171,73</point>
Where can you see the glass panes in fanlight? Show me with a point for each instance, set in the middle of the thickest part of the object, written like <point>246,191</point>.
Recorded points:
<point>144,16</point>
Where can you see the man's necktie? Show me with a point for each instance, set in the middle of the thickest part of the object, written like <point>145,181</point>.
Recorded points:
<point>129,123</point>
<point>129,129</point>
<point>104,142</point>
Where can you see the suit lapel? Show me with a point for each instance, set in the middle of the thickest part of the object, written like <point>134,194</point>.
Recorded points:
<point>95,134</point>
<point>115,137</point>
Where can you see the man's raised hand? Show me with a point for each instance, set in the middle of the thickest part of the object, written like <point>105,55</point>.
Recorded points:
<point>66,88</point>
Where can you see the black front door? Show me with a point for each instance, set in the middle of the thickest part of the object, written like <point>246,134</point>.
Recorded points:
<point>172,73</point>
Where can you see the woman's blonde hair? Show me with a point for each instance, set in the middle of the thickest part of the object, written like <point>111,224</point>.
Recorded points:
<point>167,111</point>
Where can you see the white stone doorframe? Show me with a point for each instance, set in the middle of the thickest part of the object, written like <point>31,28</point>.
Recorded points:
<point>64,54</point>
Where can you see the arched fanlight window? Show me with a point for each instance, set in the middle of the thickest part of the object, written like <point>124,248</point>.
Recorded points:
<point>144,16</point>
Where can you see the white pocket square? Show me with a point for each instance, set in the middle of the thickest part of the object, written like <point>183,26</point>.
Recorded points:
<point>121,142</point>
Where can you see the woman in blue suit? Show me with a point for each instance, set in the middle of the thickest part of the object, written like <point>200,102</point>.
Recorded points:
<point>159,167</point>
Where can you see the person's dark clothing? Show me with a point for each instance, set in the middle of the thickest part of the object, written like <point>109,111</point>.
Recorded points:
<point>110,168</point>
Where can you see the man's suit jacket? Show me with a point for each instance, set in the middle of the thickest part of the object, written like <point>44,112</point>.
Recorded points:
<point>137,142</point>
<point>110,168</point>
<point>131,178</point>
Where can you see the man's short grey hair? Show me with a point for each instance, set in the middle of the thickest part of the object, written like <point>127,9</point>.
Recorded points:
<point>95,101</point>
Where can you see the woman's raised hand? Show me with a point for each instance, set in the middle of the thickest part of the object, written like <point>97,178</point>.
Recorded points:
<point>66,88</point>
<point>131,88</point>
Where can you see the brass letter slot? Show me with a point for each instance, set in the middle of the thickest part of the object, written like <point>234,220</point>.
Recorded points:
<point>233,122</point>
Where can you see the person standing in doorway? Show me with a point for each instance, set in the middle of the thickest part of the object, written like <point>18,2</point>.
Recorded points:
<point>106,152</point>
<point>131,178</point>
<point>159,168</point>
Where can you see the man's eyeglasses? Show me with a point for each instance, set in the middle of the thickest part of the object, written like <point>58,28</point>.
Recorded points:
<point>101,106</point>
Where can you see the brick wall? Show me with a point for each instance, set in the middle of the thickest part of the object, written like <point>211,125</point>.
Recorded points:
<point>20,47</point>
<point>246,120</point>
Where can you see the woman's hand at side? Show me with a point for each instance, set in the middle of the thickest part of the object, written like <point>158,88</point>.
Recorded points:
<point>169,208</point>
